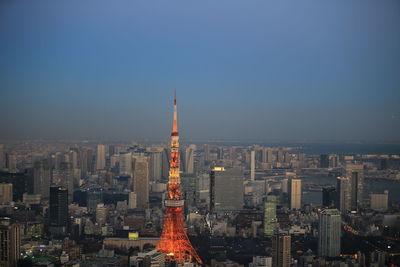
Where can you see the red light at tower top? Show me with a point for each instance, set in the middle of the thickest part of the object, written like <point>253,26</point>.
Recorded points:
<point>174,242</point>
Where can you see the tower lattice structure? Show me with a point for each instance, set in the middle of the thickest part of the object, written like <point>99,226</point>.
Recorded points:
<point>174,242</point>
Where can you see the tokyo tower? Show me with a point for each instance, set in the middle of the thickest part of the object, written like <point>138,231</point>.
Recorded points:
<point>174,242</point>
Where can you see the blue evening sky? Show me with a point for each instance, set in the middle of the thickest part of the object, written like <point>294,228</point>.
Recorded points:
<point>250,69</point>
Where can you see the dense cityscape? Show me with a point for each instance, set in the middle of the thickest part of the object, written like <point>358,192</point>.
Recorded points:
<point>84,203</point>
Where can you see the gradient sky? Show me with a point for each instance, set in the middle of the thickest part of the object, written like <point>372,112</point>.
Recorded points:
<point>254,69</point>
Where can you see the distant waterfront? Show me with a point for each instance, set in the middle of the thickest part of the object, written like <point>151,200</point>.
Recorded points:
<point>371,186</point>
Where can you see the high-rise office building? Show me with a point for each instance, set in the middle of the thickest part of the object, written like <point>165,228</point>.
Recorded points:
<point>165,163</point>
<point>343,194</point>
<point>270,221</point>
<point>294,192</point>
<point>73,156</point>
<point>6,193</point>
<point>65,178</point>
<point>141,182</point>
<point>125,164</point>
<point>58,211</point>
<point>281,250</point>
<point>228,188</point>
<point>10,243</point>
<point>220,153</point>
<point>328,197</point>
<point>41,178</point>
<point>356,173</point>
<point>101,157</point>
<point>252,165</point>
<point>155,163</point>
<point>188,159</point>
<point>330,224</point>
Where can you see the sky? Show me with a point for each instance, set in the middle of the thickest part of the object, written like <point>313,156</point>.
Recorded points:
<point>248,70</point>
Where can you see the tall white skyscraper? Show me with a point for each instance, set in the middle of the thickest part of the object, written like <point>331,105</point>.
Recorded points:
<point>188,157</point>
<point>252,165</point>
<point>155,163</point>
<point>330,223</point>
<point>343,189</point>
<point>101,157</point>
<point>294,191</point>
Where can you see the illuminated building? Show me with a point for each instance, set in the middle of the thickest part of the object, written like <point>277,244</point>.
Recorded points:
<point>330,223</point>
<point>174,242</point>
<point>294,191</point>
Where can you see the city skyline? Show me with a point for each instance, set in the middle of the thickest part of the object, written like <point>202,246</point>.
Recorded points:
<point>262,71</point>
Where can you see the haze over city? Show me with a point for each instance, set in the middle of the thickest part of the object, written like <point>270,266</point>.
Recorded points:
<point>304,71</point>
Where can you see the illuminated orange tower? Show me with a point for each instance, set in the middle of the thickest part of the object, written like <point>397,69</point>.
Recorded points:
<point>174,242</point>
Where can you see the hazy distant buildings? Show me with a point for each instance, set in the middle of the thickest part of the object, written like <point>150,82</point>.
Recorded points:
<point>125,164</point>
<point>270,222</point>
<point>343,189</point>
<point>188,159</point>
<point>281,250</point>
<point>65,177</point>
<point>252,165</point>
<point>379,202</point>
<point>6,193</point>
<point>101,157</point>
<point>2,157</point>
<point>324,161</point>
<point>294,192</point>
<point>330,225</point>
<point>41,179</point>
<point>226,188</point>
<point>141,182</point>
<point>267,155</point>
<point>10,243</point>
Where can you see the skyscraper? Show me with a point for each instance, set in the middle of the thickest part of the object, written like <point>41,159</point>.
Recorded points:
<point>10,243</point>
<point>228,189</point>
<point>330,224</point>
<point>206,152</point>
<point>188,159</point>
<point>125,164</point>
<point>101,157</point>
<point>155,163</point>
<point>252,165</point>
<point>58,211</point>
<point>41,178</point>
<point>141,182</point>
<point>270,221</point>
<point>343,189</point>
<point>65,178</point>
<point>294,191</point>
<point>356,174</point>
<point>281,249</point>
